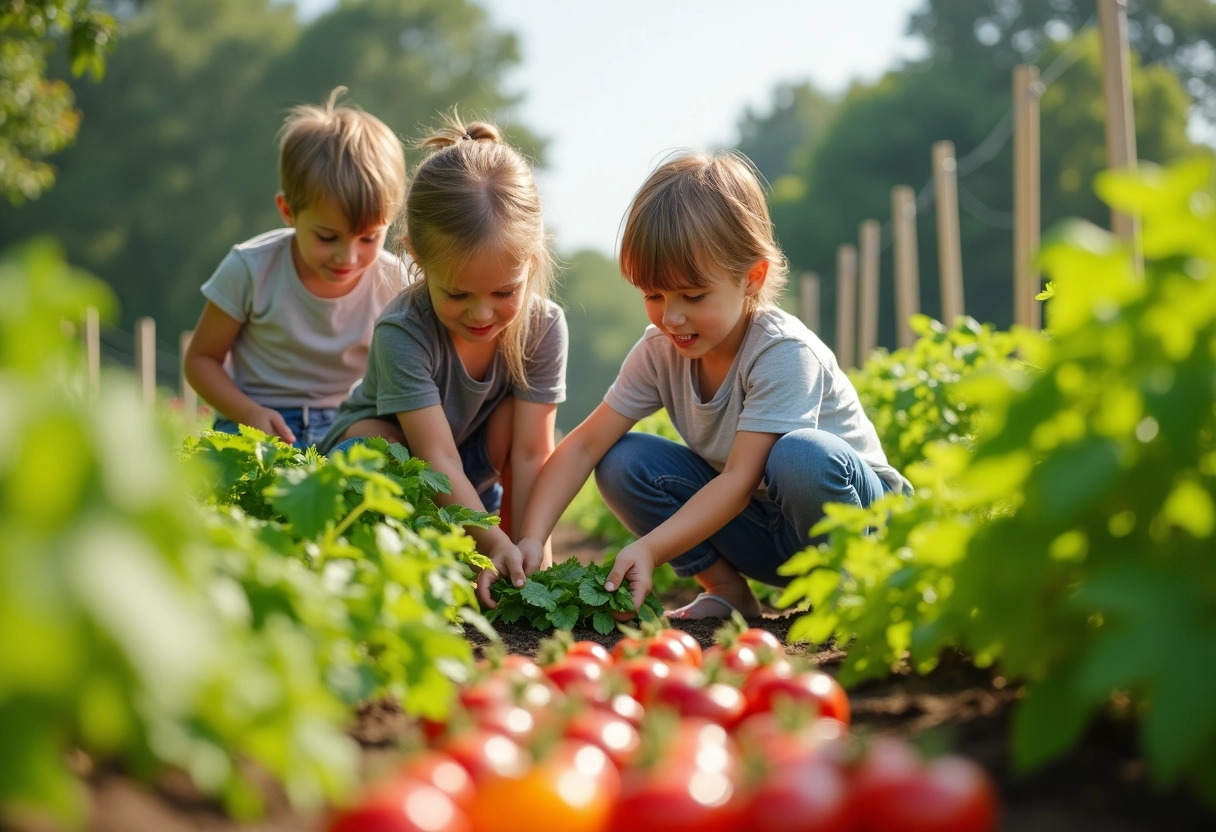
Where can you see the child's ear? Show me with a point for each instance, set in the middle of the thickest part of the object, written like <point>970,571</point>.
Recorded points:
<point>756,276</point>
<point>285,211</point>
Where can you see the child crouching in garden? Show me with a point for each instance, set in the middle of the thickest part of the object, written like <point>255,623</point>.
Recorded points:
<point>773,426</point>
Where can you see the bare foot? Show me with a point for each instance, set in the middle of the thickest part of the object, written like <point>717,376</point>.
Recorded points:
<point>712,605</point>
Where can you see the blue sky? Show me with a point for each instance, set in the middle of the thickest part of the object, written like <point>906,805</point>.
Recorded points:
<point>617,84</point>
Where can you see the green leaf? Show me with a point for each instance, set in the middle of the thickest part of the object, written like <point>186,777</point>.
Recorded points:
<point>309,500</point>
<point>539,595</point>
<point>1048,720</point>
<point>564,617</point>
<point>603,623</point>
<point>592,592</point>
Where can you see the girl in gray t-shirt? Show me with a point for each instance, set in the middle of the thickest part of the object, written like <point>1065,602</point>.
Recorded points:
<point>773,428</point>
<point>468,365</point>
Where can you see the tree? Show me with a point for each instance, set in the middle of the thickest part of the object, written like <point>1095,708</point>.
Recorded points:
<point>38,117</point>
<point>882,137</point>
<point>776,141</point>
<point>177,159</point>
<point>1177,34</point>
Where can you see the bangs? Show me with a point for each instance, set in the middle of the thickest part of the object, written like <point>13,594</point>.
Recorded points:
<point>666,247</point>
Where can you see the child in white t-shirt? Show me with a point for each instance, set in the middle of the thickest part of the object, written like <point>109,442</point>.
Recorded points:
<point>294,308</point>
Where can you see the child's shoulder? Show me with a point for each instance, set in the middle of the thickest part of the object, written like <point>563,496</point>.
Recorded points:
<point>266,241</point>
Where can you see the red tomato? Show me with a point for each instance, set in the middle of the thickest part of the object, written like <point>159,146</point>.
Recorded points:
<point>641,673</point>
<point>813,689</point>
<point>615,735</point>
<point>624,706</point>
<point>444,773</point>
<point>773,740</point>
<point>761,675</point>
<point>693,786</point>
<point>486,753</point>
<point>571,790</point>
<point>809,794</point>
<point>761,641</point>
<point>402,805</point>
<point>510,666</point>
<point>688,693</point>
<point>590,649</point>
<point>947,794</point>
<point>664,648</point>
<point>575,671</point>
<point>693,654</point>
<point>737,659</point>
<point>511,720</point>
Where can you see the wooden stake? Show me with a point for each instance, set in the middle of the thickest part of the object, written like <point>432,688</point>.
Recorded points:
<point>189,397</point>
<point>808,300</point>
<point>846,304</point>
<point>1117,91</point>
<point>92,350</point>
<point>949,247</point>
<point>145,358</point>
<point>1027,311</point>
<point>907,270</point>
<point>868,242</point>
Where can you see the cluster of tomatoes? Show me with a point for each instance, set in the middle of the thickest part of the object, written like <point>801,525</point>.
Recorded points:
<point>657,734</point>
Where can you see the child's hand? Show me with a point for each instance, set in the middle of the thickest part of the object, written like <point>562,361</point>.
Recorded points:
<point>507,561</point>
<point>270,421</point>
<point>534,554</point>
<point>634,564</point>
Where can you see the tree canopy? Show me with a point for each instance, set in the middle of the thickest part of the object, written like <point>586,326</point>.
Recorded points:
<point>38,116</point>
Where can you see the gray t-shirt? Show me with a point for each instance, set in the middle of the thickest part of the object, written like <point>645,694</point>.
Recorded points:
<point>413,364</point>
<point>294,348</point>
<point>784,378</point>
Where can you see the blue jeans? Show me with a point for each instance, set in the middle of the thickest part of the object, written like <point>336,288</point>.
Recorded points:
<point>474,457</point>
<point>309,424</point>
<point>645,479</point>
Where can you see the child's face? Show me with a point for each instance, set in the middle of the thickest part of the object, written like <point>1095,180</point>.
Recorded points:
<point>477,300</point>
<point>706,321</point>
<point>329,255</point>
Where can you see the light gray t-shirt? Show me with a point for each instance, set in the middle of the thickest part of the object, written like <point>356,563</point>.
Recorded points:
<point>294,348</point>
<point>784,378</point>
<point>413,364</point>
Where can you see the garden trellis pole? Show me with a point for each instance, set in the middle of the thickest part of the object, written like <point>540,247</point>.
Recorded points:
<point>145,358</point>
<point>1117,91</point>
<point>907,275</point>
<point>949,248</point>
<point>808,300</point>
<point>846,304</point>
<point>1026,195</point>
<point>868,245</point>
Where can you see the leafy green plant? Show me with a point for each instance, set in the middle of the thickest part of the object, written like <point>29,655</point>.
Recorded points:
<point>1072,546</point>
<point>918,395</point>
<point>568,595</point>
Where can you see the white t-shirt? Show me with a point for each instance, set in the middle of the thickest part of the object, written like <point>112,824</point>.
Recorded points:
<point>294,348</point>
<point>784,378</point>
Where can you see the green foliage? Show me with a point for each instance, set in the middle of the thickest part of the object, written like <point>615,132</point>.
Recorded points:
<point>37,114</point>
<point>153,210</point>
<point>568,595</point>
<point>918,395</point>
<point>122,635</point>
<point>1073,546</point>
<point>882,133</point>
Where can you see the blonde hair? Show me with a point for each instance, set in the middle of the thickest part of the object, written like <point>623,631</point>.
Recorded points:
<point>697,216</point>
<point>343,154</point>
<point>474,192</point>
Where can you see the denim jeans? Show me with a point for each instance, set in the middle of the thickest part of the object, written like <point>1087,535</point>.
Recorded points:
<point>645,479</point>
<point>309,424</point>
<point>475,458</point>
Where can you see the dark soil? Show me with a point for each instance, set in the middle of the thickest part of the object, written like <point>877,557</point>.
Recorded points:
<point>1100,786</point>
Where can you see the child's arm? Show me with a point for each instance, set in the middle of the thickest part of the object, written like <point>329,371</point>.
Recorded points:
<point>531,445</point>
<point>564,474</point>
<point>204,368</point>
<point>429,436</point>
<point>718,502</point>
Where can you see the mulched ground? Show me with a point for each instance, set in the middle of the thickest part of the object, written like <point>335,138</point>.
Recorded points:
<point>1101,786</point>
